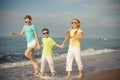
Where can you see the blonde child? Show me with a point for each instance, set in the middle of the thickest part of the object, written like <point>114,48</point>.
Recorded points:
<point>47,44</point>
<point>32,40</point>
<point>74,34</point>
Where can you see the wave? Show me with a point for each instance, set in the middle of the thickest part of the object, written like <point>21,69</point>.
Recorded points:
<point>91,51</point>
<point>86,52</point>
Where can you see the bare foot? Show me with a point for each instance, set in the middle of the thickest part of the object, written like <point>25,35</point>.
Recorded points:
<point>68,75</point>
<point>41,74</point>
<point>53,74</point>
<point>36,73</point>
<point>80,75</point>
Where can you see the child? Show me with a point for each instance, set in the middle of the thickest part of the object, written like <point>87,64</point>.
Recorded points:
<point>47,44</point>
<point>74,34</point>
<point>32,40</point>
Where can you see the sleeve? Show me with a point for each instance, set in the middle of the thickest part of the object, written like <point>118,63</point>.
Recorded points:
<point>52,42</point>
<point>23,28</point>
<point>80,30</point>
<point>34,27</point>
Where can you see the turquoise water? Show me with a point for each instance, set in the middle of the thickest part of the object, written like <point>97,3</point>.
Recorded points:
<point>12,48</point>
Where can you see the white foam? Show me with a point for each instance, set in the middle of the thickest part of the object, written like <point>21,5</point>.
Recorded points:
<point>91,51</point>
<point>15,64</point>
<point>86,52</point>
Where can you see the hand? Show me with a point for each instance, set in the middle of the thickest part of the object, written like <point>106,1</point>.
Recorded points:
<point>38,47</point>
<point>62,46</point>
<point>12,33</point>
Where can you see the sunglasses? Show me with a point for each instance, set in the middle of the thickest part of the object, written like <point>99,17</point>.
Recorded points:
<point>45,33</point>
<point>27,22</point>
<point>74,22</point>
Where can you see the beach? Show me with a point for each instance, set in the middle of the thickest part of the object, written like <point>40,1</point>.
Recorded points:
<point>105,75</point>
<point>104,66</point>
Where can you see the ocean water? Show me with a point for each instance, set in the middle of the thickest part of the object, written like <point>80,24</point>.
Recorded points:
<point>12,49</point>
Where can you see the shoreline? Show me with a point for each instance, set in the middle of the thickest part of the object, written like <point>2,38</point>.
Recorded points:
<point>93,65</point>
<point>56,56</point>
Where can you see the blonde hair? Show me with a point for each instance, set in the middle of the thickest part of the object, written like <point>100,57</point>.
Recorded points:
<point>75,33</point>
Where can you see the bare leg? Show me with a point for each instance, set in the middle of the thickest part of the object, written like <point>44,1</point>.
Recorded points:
<point>68,74</point>
<point>29,55</point>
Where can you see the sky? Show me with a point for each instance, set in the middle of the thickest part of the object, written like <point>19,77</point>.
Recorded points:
<point>99,18</point>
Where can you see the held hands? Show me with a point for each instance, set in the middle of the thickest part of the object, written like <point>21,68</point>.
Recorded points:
<point>38,47</point>
<point>62,46</point>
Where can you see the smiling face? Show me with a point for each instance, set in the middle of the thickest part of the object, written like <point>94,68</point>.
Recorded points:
<point>27,21</point>
<point>45,34</point>
<point>75,23</point>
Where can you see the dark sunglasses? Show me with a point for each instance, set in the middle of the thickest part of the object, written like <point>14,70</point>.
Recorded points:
<point>27,22</point>
<point>74,23</point>
<point>45,33</point>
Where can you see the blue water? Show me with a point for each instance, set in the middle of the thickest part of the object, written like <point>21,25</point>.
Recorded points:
<point>12,48</point>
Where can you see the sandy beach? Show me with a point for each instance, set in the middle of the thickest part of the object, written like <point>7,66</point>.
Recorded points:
<point>104,66</point>
<point>105,75</point>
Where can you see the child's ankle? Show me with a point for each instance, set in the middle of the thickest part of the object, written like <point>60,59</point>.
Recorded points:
<point>80,74</point>
<point>41,74</point>
<point>52,74</point>
<point>68,75</point>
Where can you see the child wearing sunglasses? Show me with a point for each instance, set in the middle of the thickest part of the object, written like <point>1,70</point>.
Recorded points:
<point>74,34</point>
<point>32,40</point>
<point>47,52</point>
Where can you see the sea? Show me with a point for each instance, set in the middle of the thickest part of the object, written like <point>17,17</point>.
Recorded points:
<point>12,49</point>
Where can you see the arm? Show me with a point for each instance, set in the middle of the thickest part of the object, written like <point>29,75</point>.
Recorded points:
<point>65,40</point>
<point>18,35</point>
<point>60,46</point>
<point>66,37</point>
<point>36,38</point>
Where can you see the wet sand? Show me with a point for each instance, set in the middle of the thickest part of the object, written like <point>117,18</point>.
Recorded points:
<point>96,67</point>
<point>105,75</point>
